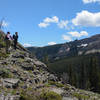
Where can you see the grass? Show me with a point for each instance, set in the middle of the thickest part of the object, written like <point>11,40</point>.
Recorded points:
<point>56,84</point>
<point>80,96</point>
<point>4,55</point>
<point>50,95</point>
<point>21,60</point>
<point>6,73</point>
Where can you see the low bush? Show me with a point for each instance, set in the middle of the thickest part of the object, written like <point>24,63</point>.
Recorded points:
<point>4,73</point>
<point>50,96</point>
<point>56,84</point>
<point>80,96</point>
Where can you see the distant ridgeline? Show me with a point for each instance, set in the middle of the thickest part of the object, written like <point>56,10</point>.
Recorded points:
<point>79,59</point>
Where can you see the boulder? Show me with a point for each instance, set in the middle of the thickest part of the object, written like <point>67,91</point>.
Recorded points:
<point>9,97</point>
<point>10,82</point>
<point>52,77</point>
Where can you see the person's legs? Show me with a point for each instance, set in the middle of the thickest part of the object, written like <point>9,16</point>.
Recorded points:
<point>15,44</point>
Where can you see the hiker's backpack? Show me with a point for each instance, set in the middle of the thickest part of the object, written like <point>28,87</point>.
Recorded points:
<point>15,37</point>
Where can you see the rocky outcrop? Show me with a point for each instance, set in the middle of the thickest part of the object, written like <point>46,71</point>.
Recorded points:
<point>21,66</point>
<point>20,71</point>
<point>10,82</point>
<point>69,92</point>
<point>9,97</point>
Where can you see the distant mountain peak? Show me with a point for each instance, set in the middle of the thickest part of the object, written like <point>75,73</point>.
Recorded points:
<point>68,49</point>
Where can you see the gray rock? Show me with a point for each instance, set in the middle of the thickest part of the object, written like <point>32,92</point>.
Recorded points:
<point>69,98</point>
<point>9,97</point>
<point>10,83</point>
<point>51,77</point>
<point>38,63</point>
<point>27,66</point>
<point>18,55</point>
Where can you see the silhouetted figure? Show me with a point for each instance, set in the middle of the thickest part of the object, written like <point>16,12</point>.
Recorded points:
<point>15,37</point>
<point>8,39</point>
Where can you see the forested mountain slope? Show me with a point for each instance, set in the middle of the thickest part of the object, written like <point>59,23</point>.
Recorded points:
<point>78,62</point>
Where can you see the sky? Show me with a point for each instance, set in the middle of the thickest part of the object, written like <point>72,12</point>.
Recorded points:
<point>48,22</point>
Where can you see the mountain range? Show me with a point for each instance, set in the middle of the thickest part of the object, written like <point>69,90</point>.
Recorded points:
<point>77,62</point>
<point>77,47</point>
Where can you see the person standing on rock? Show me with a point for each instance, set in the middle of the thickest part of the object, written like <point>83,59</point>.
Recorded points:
<point>15,37</point>
<point>8,39</point>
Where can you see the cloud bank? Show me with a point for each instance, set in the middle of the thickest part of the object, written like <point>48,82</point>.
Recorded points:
<point>78,34</point>
<point>87,19</point>
<point>63,24</point>
<point>47,21</point>
<point>90,1</point>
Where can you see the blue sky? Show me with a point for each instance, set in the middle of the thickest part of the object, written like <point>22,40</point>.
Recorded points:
<point>48,22</point>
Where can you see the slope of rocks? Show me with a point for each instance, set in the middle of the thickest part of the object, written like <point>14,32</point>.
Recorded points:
<point>19,65</point>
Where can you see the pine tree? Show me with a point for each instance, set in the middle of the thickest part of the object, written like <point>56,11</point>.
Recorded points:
<point>72,76</point>
<point>94,75</point>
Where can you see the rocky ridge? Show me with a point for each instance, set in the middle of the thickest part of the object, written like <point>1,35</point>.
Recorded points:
<point>69,49</point>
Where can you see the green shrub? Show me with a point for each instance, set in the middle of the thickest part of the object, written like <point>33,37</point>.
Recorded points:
<point>21,60</point>
<point>80,96</point>
<point>39,95</point>
<point>50,96</point>
<point>25,96</point>
<point>56,84</point>
<point>5,73</point>
<point>47,85</point>
<point>4,55</point>
<point>13,92</point>
<point>66,87</point>
<point>2,44</point>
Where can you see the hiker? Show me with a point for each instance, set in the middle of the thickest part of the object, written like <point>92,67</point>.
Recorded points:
<point>15,38</point>
<point>8,39</point>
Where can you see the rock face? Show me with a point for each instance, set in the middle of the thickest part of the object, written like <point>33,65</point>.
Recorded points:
<point>19,66</point>
<point>10,82</point>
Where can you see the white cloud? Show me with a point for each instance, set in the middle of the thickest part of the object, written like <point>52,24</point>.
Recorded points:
<point>66,37</point>
<point>27,45</point>
<point>63,24</point>
<point>47,21</point>
<point>90,1</point>
<point>77,34</point>
<point>86,18</point>
<point>54,19</point>
<point>43,25</point>
<point>51,43</point>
